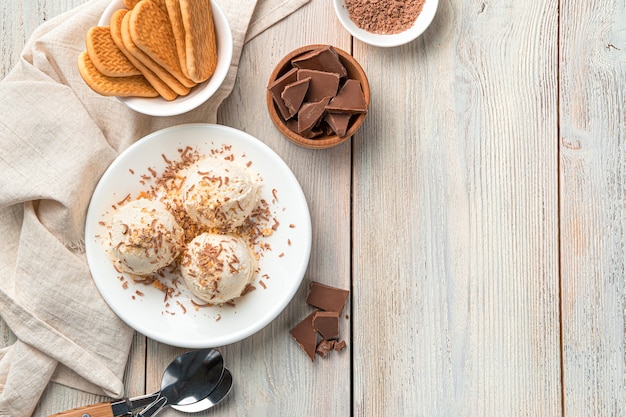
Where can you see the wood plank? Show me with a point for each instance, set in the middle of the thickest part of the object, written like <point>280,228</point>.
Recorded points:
<point>455,218</point>
<point>593,180</point>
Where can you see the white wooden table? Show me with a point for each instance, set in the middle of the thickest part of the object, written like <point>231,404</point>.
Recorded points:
<point>478,217</point>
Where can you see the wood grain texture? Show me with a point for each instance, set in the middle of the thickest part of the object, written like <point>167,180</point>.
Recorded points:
<point>593,206</point>
<point>455,270</point>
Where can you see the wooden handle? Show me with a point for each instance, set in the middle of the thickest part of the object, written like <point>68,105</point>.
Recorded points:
<point>95,410</point>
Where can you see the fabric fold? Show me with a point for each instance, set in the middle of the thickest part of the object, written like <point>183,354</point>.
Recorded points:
<point>20,395</point>
<point>57,137</point>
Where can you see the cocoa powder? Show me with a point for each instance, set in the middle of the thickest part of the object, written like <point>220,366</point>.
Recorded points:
<point>384,16</point>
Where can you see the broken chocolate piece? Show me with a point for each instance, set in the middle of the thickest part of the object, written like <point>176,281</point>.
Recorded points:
<point>326,297</point>
<point>305,335</point>
<point>315,132</point>
<point>277,87</point>
<point>324,347</point>
<point>324,58</point>
<point>322,84</point>
<point>292,124</point>
<point>350,99</point>
<point>326,323</point>
<point>293,95</point>
<point>338,122</point>
<point>338,346</point>
<point>310,114</point>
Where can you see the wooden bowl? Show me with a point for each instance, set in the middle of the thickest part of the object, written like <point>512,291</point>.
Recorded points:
<point>325,141</point>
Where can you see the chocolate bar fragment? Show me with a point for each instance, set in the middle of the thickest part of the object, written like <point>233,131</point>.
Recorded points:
<point>349,100</point>
<point>310,114</point>
<point>322,84</point>
<point>339,346</point>
<point>327,298</point>
<point>338,122</point>
<point>277,87</point>
<point>325,346</point>
<point>305,335</point>
<point>324,58</point>
<point>293,95</point>
<point>326,323</point>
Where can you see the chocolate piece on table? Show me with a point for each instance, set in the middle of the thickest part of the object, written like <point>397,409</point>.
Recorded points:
<point>324,58</point>
<point>324,347</point>
<point>339,345</point>
<point>310,114</point>
<point>338,122</point>
<point>349,99</point>
<point>326,297</point>
<point>326,323</point>
<point>305,335</point>
<point>293,95</point>
<point>322,84</point>
<point>277,87</point>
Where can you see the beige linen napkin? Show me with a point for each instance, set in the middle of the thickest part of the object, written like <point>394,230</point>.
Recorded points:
<point>56,139</point>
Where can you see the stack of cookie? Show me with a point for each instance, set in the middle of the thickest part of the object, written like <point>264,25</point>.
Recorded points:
<point>151,48</point>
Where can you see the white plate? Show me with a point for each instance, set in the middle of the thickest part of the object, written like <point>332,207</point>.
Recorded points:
<point>206,326</point>
<point>396,39</point>
<point>199,94</point>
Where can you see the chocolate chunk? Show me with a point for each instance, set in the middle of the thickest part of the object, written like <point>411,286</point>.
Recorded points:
<point>310,114</point>
<point>338,346</point>
<point>326,297</point>
<point>277,87</point>
<point>305,335</point>
<point>350,99</point>
<point>293,95</point>
<point>322,84</point>
<point>315,132</point>
<point>324,347</point>
<point>324,58</point>
<point>338,122</point>
<point>326,323</point>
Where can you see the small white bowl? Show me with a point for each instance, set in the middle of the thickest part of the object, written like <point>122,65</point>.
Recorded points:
<point>396,39</point>
<point>200,93</point>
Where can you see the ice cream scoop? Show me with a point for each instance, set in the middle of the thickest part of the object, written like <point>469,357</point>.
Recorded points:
<point>217,268</point>
<point>219,194</point>
<point>143,237</point>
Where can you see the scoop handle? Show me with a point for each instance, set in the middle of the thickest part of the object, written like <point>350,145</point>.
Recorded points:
<point>94,410</point>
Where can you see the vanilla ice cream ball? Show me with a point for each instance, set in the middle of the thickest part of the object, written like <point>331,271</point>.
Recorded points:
<point>217,268</point>
<point>143,237</point>
<point>219,194</point>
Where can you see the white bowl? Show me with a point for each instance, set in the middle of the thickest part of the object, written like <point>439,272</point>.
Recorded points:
<point>421,23</point>
<point>200,93</point>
